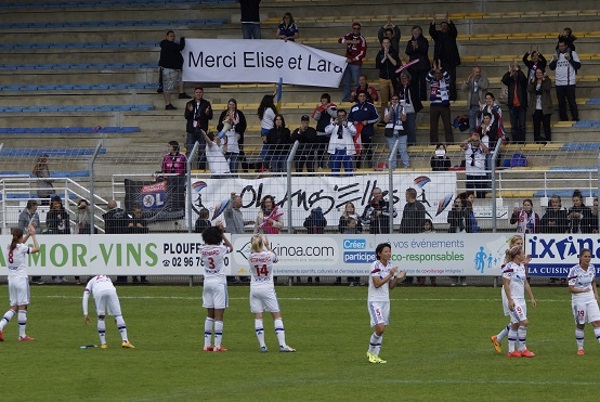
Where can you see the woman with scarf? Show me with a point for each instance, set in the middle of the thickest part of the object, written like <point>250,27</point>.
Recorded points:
<point>527,220</point>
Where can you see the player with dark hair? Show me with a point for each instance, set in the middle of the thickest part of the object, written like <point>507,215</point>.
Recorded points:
<point>584,297</point>
<point>214,290</point>
<point>383,277</point>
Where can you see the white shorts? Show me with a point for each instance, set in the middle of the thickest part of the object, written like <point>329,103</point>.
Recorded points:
<point>586,311</point>
<point>107,301</point>
<point>214,295</point>
<point>379,312</point>
<point>18,291</point>
<point>263,299</point>
<point>519,313</point>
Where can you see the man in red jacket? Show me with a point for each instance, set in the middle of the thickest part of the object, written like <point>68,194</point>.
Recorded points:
<point>356,50</point>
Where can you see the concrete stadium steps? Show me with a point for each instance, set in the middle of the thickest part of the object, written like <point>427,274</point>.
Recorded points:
<point>79,77</point>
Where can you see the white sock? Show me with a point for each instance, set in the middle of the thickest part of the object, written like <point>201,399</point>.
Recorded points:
<point>102,330</point>
<point>375,344</point>
<point>512,340</point>
<point>503,333</point>
<point>522,333</point>
<point>280,331</point>
<point>22,317</point>
<point>260,331</point>
<point>597,333</point>
<point>208,331</point>
<point>218,333</point>
<point>6,318</point>
<point>122,328</point>
<point>579,336</point>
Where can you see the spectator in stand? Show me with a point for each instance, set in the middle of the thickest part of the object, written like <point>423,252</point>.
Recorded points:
<point>174,162</point>
<point>567,36</point>
<point>413,214</point>
<point>137,225</point>
<point>379,214</point>
<point>527,220</point>
<point>58,222</point>
<point>250,18</point>
<point>234,218</point>
<point>29,217</point>
<point>287,29</point>
<point>412,105</point>
<point>594,224</point>
<point>427,228</point>
<point>386,61</point>
<point>485,130</point>
<point>349,223</point>
<point>579,216</point>
<point>203,222</point>
<point>439,82</point>
<point>356,50</point>
<point>440,162</point>
<point>314,223</point>
<point>232,125</point>
<point>364,114</point>
<point>394,117</point>
<point>458,216</point>
<point>540,105</point>
<point>475,159</point>
<point>555,219</point>
<point>266,113</point>
<point>537,61</point>
<point>475,86</point>
<point>371,93</point>
<point>82,217</point>
<point>391,32</point>
<point>217,164</point>
<point>198,112</point>
<point>417,47</point>
<point>516,82</point>
<point>324,113</point>
<point>269,219</point>
<point>446,49</point>
<point>566,63</point>
<point>341,143</point>
<point>171,64</point>
<point>278,141</point>
<point>115,222</point>
<point>45,189</point>
<point>307,138</point>
<point>495,127</point>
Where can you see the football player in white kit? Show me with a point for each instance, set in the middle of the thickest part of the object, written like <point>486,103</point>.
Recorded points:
<point>214,292</point>
<point>383,277</point>
<point>514,283</point>
<point>18,281</point>
<point>262,291</point>
<point>107,301</point>
<point>582,285</point>
<point>516,240</point>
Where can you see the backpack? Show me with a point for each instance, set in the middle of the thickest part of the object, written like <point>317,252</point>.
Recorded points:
<point>518,160</point>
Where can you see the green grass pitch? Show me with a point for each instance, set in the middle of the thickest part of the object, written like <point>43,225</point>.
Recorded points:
<point>437,347</point>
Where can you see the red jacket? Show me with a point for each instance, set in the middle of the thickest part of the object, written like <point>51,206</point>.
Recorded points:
<point>357,52</point>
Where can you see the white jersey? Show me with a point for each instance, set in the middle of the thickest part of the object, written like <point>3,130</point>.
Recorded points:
<point>17,261</point>
<point>216,160</point>
<point>582,279</point>
<point>213,259</point>
<point>381,293</point>
<point>99,283</point>
<point>261,269</point>
<point>516,274</point>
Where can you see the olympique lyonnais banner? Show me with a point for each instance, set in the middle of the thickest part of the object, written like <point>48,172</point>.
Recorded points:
<point>324,255</point>
<point>163,199</point>
<point>553,255</point>
<point>260,61</point>
<point>332,194</point>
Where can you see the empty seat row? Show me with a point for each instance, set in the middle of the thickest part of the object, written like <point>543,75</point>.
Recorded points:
<point>75,66</point>
<point>68,130</point>
<point>68,87</point>
<point>54,152</point>
<point>108,3</point>
<point>85,108</point>
<point>92,24</point>
<point>78,45</point>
